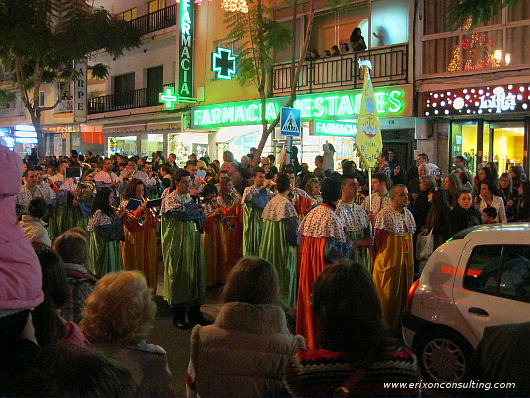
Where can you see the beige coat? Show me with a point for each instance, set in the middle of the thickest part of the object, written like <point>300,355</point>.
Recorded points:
<point>243,354</point>
<point>148,366</point>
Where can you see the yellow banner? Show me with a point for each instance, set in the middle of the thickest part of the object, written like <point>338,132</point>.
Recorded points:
<point>368,141</point>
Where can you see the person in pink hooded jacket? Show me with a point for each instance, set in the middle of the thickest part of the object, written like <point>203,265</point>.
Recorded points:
<point>20,279</point>
<point>20,272</point>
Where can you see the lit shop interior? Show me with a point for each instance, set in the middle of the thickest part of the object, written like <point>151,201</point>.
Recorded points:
<point>502,143</point>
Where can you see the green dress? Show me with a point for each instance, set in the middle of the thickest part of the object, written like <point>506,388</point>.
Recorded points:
<point>104,244</point>
<point>279,241</point>
<point>252,227</point>
<point>66,218</point>
<point>184,263</point>
<point>276,250</point>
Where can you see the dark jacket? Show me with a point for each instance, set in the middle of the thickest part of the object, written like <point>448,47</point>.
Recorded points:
<point>503,355</point>
<point>420,208</point>
<point>459,219</point>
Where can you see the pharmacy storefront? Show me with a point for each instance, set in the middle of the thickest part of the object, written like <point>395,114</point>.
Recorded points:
<point>485,124</point>
<point>326,117</point>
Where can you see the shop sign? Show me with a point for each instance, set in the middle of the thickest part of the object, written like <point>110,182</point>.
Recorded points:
<point>392,101</point>
<point>333,128</point>
<point>223,63</point>
<point>80,91</point>
<point>477,101</point>
<point>185,59</point>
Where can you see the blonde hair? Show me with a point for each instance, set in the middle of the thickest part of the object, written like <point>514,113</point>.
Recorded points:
<point>253,281</point>
<point>120,309</point>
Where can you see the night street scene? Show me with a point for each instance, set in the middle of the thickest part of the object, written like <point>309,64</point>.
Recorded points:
<point>264,198</point>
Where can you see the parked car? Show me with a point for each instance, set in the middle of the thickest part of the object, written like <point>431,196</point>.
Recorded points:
<point>478,278</point>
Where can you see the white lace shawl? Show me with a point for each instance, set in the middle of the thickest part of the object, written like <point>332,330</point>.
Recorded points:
<point>395,222</point>
<point>353,216</point>
<point>98,219</point>
<point>172,200</point>
<point>322,222</point>
<point>279,208</point>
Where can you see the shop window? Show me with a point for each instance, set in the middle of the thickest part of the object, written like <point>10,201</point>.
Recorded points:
<point>122,145</point>
<point>155,5</point>
<point>508,146</point>
<point>128,15</point>
<point>464,143</point>
<point>184,144</point>
<point>151,143</point>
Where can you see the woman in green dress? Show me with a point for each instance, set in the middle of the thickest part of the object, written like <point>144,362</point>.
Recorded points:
<point>280,239</point>
<point>184,265</point>
<point>106,231</point>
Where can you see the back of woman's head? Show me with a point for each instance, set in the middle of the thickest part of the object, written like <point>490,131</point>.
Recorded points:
<point>75,371</point>
<point>49,328</point>
<point>72,247</point>
<point>253,281</point>
<point>101,201</point>
<point>348,312</point>
<point>53,278</point>
<point>119,310</point>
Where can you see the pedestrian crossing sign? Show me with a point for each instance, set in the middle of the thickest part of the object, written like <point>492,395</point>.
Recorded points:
<point>290,122</point>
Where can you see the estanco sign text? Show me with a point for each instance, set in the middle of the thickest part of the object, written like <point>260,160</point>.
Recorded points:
<point>185,60</point>
<point>392,101</point>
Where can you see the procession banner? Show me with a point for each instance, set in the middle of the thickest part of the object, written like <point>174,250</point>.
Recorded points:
<point>368,141</point>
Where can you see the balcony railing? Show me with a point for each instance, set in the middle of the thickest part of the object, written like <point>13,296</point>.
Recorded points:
<point>390,66</point>
<point>140,98</point>
<point>161,19</point>
<point>64,106</point>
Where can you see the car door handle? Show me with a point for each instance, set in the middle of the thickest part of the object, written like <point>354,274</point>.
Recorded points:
<point>478,311</point>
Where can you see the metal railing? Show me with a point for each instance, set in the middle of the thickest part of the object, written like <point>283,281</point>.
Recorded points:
<point>390,66</point>
<point>64,106</point>
<point>140,98</point>
<point>161,19</point>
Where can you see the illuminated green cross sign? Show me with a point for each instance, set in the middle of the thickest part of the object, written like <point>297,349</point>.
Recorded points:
<point>169,98</point>
<point>223,63</point>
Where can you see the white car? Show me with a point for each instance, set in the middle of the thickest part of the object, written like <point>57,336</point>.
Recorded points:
<point>479,278</point>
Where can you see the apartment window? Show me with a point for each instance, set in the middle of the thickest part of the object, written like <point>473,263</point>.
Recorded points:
<point>41,98</point>
<point>155,5</point>
<point>128,15</point>
<point>124,89</point>
<point>498,43</point>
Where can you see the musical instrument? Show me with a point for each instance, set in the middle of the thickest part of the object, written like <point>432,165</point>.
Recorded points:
<point>132,218</point>
<point>84,185</point>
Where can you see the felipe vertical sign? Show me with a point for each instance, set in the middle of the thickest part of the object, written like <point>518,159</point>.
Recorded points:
<point>185,60</point>
<point>368,141</point>
<point>80,91</point>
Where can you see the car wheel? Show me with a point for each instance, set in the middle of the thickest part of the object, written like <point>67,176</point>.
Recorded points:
<point>444,356</point>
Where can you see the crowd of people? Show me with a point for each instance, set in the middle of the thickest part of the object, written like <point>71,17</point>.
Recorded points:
<point>291,246</point>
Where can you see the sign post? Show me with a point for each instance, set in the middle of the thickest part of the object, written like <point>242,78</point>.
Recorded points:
<point>290,126</point>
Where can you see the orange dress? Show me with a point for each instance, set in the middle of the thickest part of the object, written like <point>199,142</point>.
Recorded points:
<point>140,248</point>
<point>230,240</point>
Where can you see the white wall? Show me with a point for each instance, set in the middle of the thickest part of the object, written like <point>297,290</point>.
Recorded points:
<point>148,55</point>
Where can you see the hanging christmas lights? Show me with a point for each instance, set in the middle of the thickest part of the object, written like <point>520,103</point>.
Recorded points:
<point>235,6</point>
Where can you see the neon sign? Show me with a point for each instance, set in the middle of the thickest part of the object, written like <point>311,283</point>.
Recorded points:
<point>333,128</point>
<point>477,101</point>
<point>393,101</point>
<point>169,98</point>
<point>223,63</point>
<point>185,60</point>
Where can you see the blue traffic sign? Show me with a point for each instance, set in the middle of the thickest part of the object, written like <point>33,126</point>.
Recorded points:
<point>290,122</point>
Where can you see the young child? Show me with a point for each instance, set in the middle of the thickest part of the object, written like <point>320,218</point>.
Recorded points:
<point>489,214</point>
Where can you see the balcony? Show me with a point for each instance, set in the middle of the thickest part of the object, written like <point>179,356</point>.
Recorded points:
<point>140,98</point>
<point>161,19</point>
<point>390,66</point>
<point>64,106</point>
